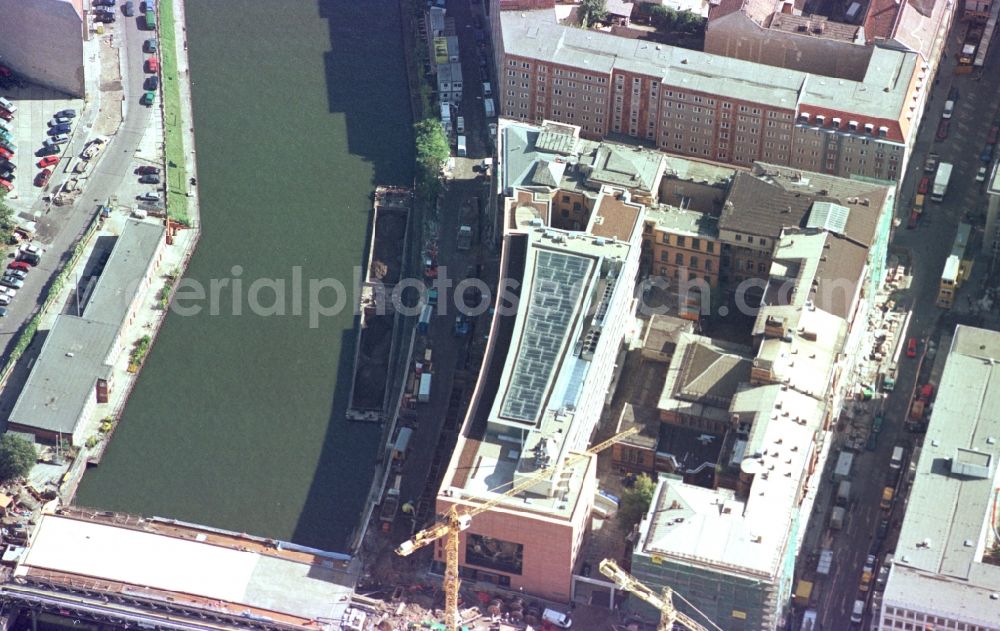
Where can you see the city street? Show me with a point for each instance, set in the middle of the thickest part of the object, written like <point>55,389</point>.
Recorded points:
<point>59,228</point>
<point>926,248</point>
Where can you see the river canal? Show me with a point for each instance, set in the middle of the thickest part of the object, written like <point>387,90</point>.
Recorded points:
<point>237,421</point>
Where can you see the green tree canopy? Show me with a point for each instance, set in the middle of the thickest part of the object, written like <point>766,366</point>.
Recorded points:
<point>432,153</point>
<point>592,11</point>
<point>6,220</point>
<point>636,500</point>
<point>17,457</point>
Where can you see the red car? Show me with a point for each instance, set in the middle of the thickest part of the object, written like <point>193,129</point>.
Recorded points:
<point>21,265</point>
<point>146,170</point>
<point>914,217</point>
<point>991,138</point>
<point>4,114</point>
<point>911,347</point>
<point>153,65</point>
<point>924,183</point>
<point>43,178</point>
<point>7,186</point>
<point>6,154</point>
<point>942,130</point>
<point>47,161</point>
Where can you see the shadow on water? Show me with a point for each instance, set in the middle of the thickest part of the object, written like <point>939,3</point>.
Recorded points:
<point>365,36</point>
<point>377,114</point>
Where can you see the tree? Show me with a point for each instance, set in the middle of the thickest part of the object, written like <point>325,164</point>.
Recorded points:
<point>17,457</point>
<point>636,500</point>
<point>6,220</point>
<point>662,16</point>
<point>592,11</point>
<point>432,153</point>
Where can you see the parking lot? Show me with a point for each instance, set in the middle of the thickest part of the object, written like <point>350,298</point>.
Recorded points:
<point>35,108</point>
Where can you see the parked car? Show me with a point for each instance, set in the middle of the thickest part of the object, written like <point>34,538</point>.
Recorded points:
<point>6,185</point>
<point>151,196</point>
<point>3,312</point>
<point>60,129</point>
<point>147,170</point>
<point>104,18</point>
<point>953,94</point>
<point>931,164</point>
<point>103,3</point>
<point>47,161</point>
<point>4,300</point>
<point>58,120</point>
<point>981,174</point>
<point>150,179</point>
<point>48,149</point>
<point>152,82</point>
<point>6,115</point>
<point>911,347</point>
<point>925,182</point>
<point>6,154</point>
<point>10,281</point>
<point>152,65</point>
<point>18,265</point>
<point>942,129</point>
<point>103,11</point>
<point>128,9</point>
<point>149,45</point>
<point>43,178</point>
<point>16,273</point>
<point>987,153</point>
<point>149,98</point>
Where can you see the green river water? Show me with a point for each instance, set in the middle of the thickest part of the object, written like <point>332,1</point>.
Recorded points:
<point>237,421</point>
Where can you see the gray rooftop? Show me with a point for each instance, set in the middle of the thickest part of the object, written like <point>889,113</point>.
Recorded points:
<point>948,517</point>
<point>73,356</point>
<point>688,222</point>
<point>77,350</point>
<point>124,272</point>
<point>882,94</point>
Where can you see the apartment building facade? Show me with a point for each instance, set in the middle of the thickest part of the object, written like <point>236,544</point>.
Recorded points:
<point>708,106</point>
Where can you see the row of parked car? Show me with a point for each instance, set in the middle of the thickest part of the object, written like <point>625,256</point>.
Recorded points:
<point>7,146</point>
<point>13,277</point>
<point>59,127</point>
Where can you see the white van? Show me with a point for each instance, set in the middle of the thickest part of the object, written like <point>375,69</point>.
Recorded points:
<point>897,458</point>
<point>460,125</point>
<point>461,147</point>
<point>557,618</point>
<point>949,107</point>
<point>858,611</point>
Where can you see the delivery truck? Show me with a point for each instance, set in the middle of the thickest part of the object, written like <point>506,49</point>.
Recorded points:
<point>424,392</point>
<point>941,179</point>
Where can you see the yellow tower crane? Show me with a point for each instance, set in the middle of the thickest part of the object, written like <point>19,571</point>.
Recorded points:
<point>452,523</point>
<point>664,602</point>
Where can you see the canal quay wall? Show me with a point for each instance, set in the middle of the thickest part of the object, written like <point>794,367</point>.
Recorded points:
<point>182,242</point>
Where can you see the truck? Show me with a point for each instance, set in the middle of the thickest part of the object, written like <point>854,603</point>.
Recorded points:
<point>402,444</point>
<point>837,517</point>
<point>464,240</point>
<point>889,379</point>
<point>461,151</point>
<point>390,504</point>
<point>491,111</point>
<point>424,392</point>
<point>941,179</point>
<point>844,493</point>
<point>425,319</point>
<point>844,463</point>
<point>897,457</point>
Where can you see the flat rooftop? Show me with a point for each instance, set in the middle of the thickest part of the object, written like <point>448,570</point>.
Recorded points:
<point>882,94</point>
<point>541,365</point>
<point>947,525</point>
<point>185,566</point>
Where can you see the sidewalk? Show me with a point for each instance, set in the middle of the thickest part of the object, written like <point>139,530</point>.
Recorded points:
<point>184,84</point>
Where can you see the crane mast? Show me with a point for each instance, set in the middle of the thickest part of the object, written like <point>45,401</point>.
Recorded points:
<point>664,602</point>
<point>453,522</point>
